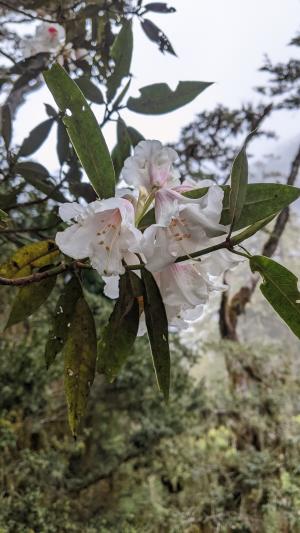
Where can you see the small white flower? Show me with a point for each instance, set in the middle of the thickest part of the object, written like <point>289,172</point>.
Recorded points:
<point>151,166</point>
<point>183,226</point>
<point>49,37</point>
<point>103,231</point>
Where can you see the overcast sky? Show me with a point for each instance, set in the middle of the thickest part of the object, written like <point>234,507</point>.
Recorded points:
<point>216,40</point>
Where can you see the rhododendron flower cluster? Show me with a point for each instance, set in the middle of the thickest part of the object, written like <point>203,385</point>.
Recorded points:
<point>107,232</point>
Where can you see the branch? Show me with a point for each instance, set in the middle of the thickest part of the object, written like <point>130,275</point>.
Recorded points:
<point>230,310</point>
<point>39,276</point>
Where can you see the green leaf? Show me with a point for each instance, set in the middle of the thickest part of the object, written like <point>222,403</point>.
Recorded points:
<point>51,112</point>
<point>90,91</point>
<point>156,35</point>
<point>37,176</point>
<point>159,98</point>
<point>120,333</point>
<point>280,289</point>
<point>83,130</point>
<point>159,7</point>
<point>135,136</point>
<point>3,215</point>
<point>121,53</point>
<point>157,326</point>
<point>251,230</point>
<point>61,321</point>
<point>29,299</point>
<point>238,181</point>
<point>122,94</point>
<point>262,200</point>
<point>80,353</point>
<point>62,143</point>
<point>122,150</point>
<point>36,138</point>
<point>6,125</point>
<point>33,255</point>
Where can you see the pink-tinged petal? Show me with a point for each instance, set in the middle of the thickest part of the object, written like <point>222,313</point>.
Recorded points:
<point>151,166</point>
<point>183,285</point>
<point>104,232</point>
<point>167,204</point>
<point>184,226</point>
<point>157,248</point>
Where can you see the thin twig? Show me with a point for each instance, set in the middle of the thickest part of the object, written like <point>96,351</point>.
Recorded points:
<point>29,15</point>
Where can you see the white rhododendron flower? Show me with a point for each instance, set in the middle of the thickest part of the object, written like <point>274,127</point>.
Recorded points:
<point>151,166</point>
<point>103,231</point>
<point>49,37</point>
<point>183,226</point>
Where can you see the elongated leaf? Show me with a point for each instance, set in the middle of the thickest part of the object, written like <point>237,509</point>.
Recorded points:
<point>89,89</point>
<point>33,255</point>
<point>122,94</point>
<point>135,136</point>
<point>159,98</point>
<point>6,125</point>
<point>38,176</point>
<point>159,7</point>
<point>62,143</point>
<point>51,112</point>
<point>251,230</point>
<point>280,289</point>
<point>239,181</point>
<point>29,299</point>
<point>120,333</point>
<point>83,131</point>
<point>122,149</point>
<point>156,35</point>
<point>262,201</point>
<point>121,53</point>
<point>61,321</point>
<point>36,138</point>
<point>157,326</point>
<point>80,353</point>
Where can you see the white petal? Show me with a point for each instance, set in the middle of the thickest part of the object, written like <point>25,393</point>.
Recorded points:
<point>183,285</point>
<point>70,210</point>
<point>142,326</point>
<point>151,166</point>
<point>111,289</point>
<point>74,241</point>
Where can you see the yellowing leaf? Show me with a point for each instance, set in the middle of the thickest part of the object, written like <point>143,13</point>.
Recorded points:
<point>61,321</point>
<point>37,252</point>
<point>80,352</point>
<point>29,299</point>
